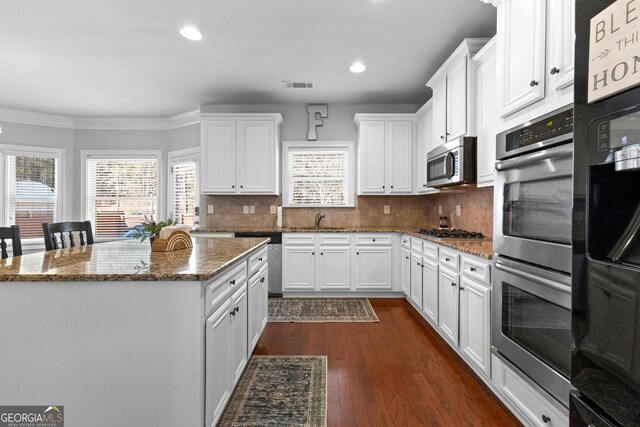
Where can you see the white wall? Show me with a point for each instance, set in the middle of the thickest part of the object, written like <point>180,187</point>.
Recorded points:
<point>184,137</point>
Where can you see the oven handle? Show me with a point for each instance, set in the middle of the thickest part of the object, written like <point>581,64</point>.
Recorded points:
<point>557,152</point>
<point>537,278</point>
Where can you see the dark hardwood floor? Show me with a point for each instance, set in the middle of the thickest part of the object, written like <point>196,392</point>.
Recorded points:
<point>398,372</point>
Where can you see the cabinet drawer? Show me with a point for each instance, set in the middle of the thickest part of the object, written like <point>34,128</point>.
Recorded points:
<point>218,290</point>
<point>526,399</point>
<point>257,260</point>
<point>334,239</point>
<point>477,270</point>
<point>430,251</point>
<point>416,245</point>
<point>373,239</point>
<point>298,239</point>
<point>406,241</point>
<point>450,259</point>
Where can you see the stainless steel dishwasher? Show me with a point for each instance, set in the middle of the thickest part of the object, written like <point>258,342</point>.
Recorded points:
<point>274,253</point>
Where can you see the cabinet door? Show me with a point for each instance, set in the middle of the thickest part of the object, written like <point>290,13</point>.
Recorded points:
<point>371,158</point>
<point>373,268</point>
<point>299,268</point>
<point>264,280</point>
<point>474,323</point>
<point>400,144</point>
<point>448,294</point>
<point>217,378</point>
<point>238,332</point>
<point>334,264</point>
<point>416,279</point>
<point>425,143</point>
<point>486,118</point>
<point>218,166</point>
<point>406,272</point>
<point>255,311</point>
<point>561,43</point>
<point>430,290</point>
<point>521,53</point>
<point>440,112</point>
<point>457,101</point>
<point>257,160</point>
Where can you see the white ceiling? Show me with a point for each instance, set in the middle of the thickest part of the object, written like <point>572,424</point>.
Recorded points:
<point>116,58</point>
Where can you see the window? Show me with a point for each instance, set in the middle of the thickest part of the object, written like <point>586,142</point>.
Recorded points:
<point>121,191</point>
<point>184,186</point>
<point>30,184</point>
<point>318,174</point>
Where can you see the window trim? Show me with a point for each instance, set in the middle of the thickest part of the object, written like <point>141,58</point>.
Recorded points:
<point>177,156</point>
<point>347,146</point>
<point>121,154</point>
<point>35,151</point>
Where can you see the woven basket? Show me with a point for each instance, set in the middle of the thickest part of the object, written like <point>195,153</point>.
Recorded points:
<point>177,240</point>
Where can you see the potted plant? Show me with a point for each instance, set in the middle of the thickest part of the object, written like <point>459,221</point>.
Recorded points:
<point>151,229</point>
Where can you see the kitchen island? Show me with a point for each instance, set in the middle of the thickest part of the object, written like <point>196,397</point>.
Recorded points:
<point>119,335</point>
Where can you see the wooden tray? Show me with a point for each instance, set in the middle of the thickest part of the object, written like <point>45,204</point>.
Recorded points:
<point>177,240</point>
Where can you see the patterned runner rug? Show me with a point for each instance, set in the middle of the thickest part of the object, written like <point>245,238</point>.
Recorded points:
<point>321,310</point>
<point>280,391</point>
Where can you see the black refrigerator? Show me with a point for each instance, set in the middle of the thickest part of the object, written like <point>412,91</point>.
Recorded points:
<point>605,362</point>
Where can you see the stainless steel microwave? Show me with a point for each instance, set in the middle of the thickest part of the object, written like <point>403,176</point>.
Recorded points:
<point>452,163</point>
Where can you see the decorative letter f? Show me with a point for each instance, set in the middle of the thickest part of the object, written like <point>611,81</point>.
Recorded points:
<point>314,120</point>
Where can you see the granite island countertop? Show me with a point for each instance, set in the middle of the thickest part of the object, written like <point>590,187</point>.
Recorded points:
<point>127,260</point>
<point>480,248</point>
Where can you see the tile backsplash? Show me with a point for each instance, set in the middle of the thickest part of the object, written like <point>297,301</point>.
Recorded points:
<point>405,211</point>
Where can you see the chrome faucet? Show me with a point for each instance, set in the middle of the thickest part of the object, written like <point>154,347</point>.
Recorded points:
<point>319,217</point>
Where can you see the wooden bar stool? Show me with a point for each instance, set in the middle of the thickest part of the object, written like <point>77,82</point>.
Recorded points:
<point>54,234</point>
<point>12,233</point>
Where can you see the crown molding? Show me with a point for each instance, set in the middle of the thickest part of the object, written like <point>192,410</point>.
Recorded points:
<point>184,119</point>
<point>423,110</point>
<point>39,119</point>
<point>467,48</point>
<point>358,117</point>
<point>112,123</point>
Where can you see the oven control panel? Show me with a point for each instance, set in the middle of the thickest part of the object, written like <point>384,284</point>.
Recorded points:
<point>542,130</point>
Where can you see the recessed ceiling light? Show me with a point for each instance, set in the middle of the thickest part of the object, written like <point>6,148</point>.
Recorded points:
<point>357,67</point>
<point>191,33</point>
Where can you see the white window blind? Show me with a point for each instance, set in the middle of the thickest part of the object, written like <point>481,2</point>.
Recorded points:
<point>31,192</point>
<point>184,192</point>
<point>317,177</point>
<point>120,193</point>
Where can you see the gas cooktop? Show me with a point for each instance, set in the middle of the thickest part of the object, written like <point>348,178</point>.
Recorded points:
<point>450,233</point>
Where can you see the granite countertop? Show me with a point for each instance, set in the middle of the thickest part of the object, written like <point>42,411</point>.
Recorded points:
<point>128,260</point>
<point>480,248</point>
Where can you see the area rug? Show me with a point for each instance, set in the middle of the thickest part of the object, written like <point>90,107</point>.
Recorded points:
<point>321,310</point>
<point>280,391</point>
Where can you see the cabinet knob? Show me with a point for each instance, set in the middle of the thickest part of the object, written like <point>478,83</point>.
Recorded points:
<point>242,186</point>
<point>357,253</point>
<point>233,312</point>
<point>533,83</point>
<point>448,134</point>
<point>545,419</point>
<point>461,289</point>
<point>554,70</point>
<point>374,240</point>
<point>453,283</point>
<point>321,253</point>
<point>424,185</point>
<point>262,280</point>
<point>472,269</point>
<point>447,259</point>
<point>313,253</point>
<point>406,257</point>
<point>441,136</point>
<point>260,259</point>
<point>392,186</point>
<point>383,187</point>
<point>233,186</point>
<point>237,309</point>
<point>233,282</point>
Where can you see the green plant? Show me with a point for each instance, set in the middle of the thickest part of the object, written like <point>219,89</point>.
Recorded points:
<point>151,229</point>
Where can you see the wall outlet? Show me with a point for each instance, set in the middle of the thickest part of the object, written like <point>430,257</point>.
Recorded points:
<point>252,209</point>
<point>245,209</point>
<point>273,209</point>
<point>387,209</point>
<point>457,210</point>
<point>439,209</point>
<point>209,209</point>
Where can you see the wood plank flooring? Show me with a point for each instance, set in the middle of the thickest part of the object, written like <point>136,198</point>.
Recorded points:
<point>398,372</point>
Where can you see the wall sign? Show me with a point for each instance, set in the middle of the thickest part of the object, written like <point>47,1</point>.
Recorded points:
<point>315,112</point>
<point>614,50</point>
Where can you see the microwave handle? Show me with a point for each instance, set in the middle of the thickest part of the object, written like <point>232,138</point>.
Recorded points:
<point>625,241</point>
<point>557,152</point>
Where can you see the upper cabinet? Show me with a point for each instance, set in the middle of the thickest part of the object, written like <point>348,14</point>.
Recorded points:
<point>240,153</point>
<point>535,66</point>
<point>453,94</point>
<point>385,153</point>
<point>424,145</point>
<point>486,117</point>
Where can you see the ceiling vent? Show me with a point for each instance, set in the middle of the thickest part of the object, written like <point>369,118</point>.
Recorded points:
<point>297,85</point>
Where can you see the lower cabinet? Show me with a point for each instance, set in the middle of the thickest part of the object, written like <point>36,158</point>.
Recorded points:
<point>299,268</point>
<point>416,279</point>
<point>448,298</point>
<point>218,364</point>
<point>475,306</point>
<point>373,268</point>
<point>406,272</point>
<point>430,290</point>
<point>238,331</point>
<point>258,289</point>
<point>334,268</point>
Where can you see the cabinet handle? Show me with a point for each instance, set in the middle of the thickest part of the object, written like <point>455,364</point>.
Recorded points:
<point>472,269</point>
<point>533,83</point>
<point>441,136</point>
<point>262,280</point>
<point>461,289</point>
<point>233,312</point>
<point>448,134</point>
<point>237,309</point>
<point>447,259</point>
<point>453,284</point>
<point>260,259</point>
<point>232,282</point>
<point>554,70</point>
<point>424,185</point>
<point>545,419</point>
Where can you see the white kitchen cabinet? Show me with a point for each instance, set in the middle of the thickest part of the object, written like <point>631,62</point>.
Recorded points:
<point>453,94</point>
<point>240,153</point>
<point>238,330</point>
<point>334,267</point>
<point>385,153</point>
<point>486,117</point>
<point>475,323</point>
<point>424,145</point>
<point>448,304</point>
<point>373,268</point>
<point>218,363</point>
<point>299,268</point>
<point>430,290</point>
<point>416,279</point>
<point>406,272</point>
<point>258,290</point>
<point>561,68</point>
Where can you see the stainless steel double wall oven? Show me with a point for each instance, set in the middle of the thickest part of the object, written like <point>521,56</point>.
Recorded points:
<point>531,324</point>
